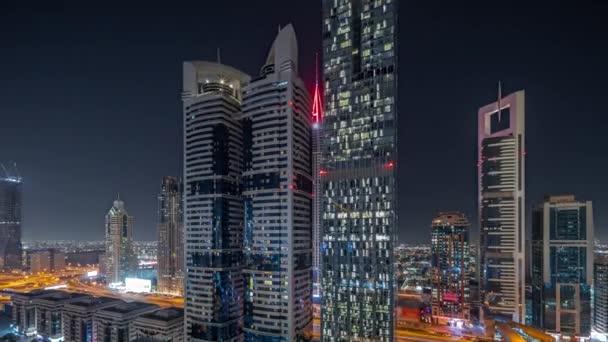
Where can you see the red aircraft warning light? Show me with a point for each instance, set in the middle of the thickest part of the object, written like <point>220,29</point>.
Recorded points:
<point>317,106</point>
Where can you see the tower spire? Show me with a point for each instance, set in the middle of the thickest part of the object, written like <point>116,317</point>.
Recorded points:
<point>499,99</point>
<point>317,107</point>
<point>219,56</point>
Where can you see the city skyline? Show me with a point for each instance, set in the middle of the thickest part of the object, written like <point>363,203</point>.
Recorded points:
<point>558,88</point>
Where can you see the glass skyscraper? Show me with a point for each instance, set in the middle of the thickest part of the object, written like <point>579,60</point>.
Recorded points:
<point>170,237</point>
<point>359,152</point>
<point>501,176</point>
<point>562,265</point>
<point>213,206</point>
<point>277,195</point>
<point>450,252</point>
<point>10,222</point>
<point>121,261</point>
<point>600,296</point>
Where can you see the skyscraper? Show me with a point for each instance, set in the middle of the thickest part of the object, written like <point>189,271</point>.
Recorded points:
<point>450,251</point>
<point>317,116</point>
<point>121,261</point>
<point>501,175</point>
<point>600,296</point>
<point>170,238</point>
<point>359,149</point>
<point>278,198</point>
<point>10,222</point>
<point>562,265</point>
<point>213,206</point>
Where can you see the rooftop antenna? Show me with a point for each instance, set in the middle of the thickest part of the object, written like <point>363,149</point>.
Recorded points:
<point>4,169</point>
<point>219,57</point>
<point>118,197</point>
<point>16,170</point>
<point>499,98</point>
<point>279,31</point>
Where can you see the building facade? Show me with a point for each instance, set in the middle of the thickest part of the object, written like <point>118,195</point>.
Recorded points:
<point>115,323</point>
<point>10,223</point>
<point>165,325</point>
<point>450,252</point>
<point>501,175</point>
<point>77,317</point>
<point>562,265</point>
<point>359,151</point>
<point>170,238</point>
<point>277,198</point>
<point>50,260</point>
<point>120,258</point>
<point>213,206</point>
<point>600,296</point>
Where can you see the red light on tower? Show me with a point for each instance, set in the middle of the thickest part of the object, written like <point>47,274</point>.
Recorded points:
<point>390,165</point>
<point>322,172</point>
<point>317,108</point>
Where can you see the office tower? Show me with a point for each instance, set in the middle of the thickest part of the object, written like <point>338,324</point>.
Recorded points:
<point>501,176</point>
<point>600,296</point>
<point>562,265</point>
<point>213,206</point>
<point>170,238</point>
<point>359,145</point>
<point>10,221</point>
<point>163,325</point>
<point>450,267</point>
<point>278,198</point>
<point>120,257</point>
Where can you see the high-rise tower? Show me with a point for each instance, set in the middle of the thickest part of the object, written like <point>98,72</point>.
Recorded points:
<point>121,261</point>
<point>359,148</point>
<point>213,206</point>
<point>501,176</point>
<point>170,238</point>
<point>450,251</point>
<point>317,116</point>
<point>600,297</point>
<point>10,221</point>
<point>278,198</point>
<point>562,265</point>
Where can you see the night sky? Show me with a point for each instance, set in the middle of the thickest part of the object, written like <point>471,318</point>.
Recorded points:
<point>90,99</point>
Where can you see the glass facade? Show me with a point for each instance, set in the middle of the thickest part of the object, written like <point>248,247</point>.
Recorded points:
<point>450,251</point>
<point>170,238</point>
<point>358,147</point>
<point>562,266</point>
<point>10,223</point>
<point>121,260</point>
<point>600,295</point>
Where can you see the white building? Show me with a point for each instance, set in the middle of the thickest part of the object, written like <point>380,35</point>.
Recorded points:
<point>501,175</point>
<point>278,197</point>
<point>115,323</point>
<point>120,258</point>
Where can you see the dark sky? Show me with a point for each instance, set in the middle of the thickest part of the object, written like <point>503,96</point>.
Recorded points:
<point>90,99</point>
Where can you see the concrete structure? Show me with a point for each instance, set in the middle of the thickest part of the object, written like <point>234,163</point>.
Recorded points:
<point>10,222</point>
<point>600,297</point>
<point>24,310</point>
<point>501,175</point>
<point>115,323</point>
<point>450,267</point>
<point>359,152</point>
<point>49,309</point>
<point>562,265</point>
<point>165,325</point>
<point>170,238</point>
<point>50,260</point>
<point>278,198</point>
<point>77,317</point>
<point>120,256</point>
<point>213,206</point>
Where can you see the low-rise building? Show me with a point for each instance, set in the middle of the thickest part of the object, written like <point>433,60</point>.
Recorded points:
<point>77,317</point>
<point>114,323</point>
<point>159,326</point>
<point>48,312</point>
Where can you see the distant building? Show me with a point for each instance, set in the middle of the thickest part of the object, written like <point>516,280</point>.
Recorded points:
<point>170,238</point>
<point>115,323</point>
<point>502,215</point>
<point>83,258</point>
<point>77,317</point>
<point>50,260</point>
<point>165,325</point>
<point>600,297</point>
<point>10,222</point>
<point>450,266</point>
<point>121,261</point>
<point>213,206</point>
<point>278,198</point>
<point>562,265</point>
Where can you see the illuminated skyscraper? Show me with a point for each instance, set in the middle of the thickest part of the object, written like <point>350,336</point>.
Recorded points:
<point>600,296</point>
<point>10,222</point>
<point>501,175</point>
<point>317,116</point>
<point>450,266</point>
<point>213,206</point>
<point>278,198</point>
<point>121,261</point>
<point>359,148</point>
<point>562,265</point>
<point>170,238</point>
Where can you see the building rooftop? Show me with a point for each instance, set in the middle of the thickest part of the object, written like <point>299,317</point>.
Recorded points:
<point>59,296</point>
<point>165,315</point>
<point>90,301</point>
<point>123,307</point>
